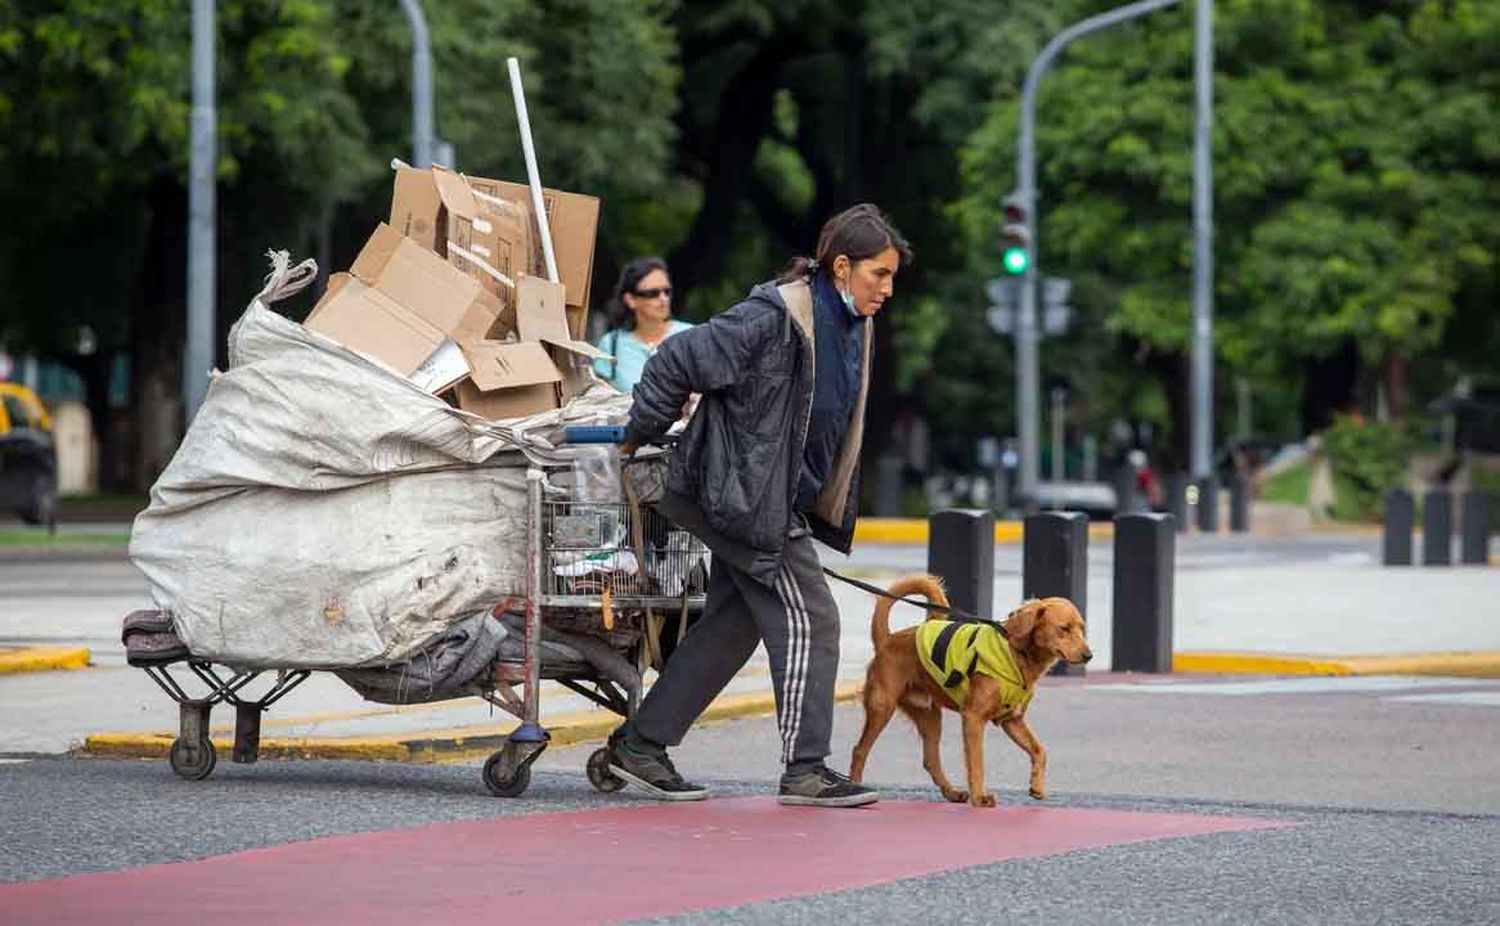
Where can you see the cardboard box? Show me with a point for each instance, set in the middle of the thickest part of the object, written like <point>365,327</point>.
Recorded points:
<point>574,220</point>
<point>366,320</point>
<point>425,284</point>
<point>509,380</point>
<point>399,303</point>
<point>485,237</point>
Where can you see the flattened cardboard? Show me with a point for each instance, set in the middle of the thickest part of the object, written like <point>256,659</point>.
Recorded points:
<point>483,238</point>
<point>540,316</point>
<point>574,220</point>
<point>417,209</point>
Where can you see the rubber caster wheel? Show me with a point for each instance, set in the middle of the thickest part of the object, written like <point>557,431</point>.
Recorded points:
<point>514,786</point>
<point>190,767</point>
<point>599,774</point>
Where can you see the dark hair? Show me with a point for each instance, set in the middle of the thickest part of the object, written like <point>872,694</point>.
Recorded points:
<point>631,274</point>
<point>859,233</point>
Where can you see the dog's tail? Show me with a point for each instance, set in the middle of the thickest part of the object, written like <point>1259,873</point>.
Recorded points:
<point>931,588</point>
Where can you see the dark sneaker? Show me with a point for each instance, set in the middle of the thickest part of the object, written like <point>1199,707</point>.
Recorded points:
<point>651,771</point>
<point>823,787</point>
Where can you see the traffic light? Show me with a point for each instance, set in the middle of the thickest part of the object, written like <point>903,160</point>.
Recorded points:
<point>1015,240</point>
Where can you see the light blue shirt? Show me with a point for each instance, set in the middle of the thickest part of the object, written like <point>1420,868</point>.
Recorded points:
<point>630,355</point>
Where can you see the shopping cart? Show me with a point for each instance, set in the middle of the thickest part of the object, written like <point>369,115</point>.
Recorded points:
<point>605,577</point>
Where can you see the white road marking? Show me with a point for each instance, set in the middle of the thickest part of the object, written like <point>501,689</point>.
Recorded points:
<point>1319,684</point>
<point>1472,698</point>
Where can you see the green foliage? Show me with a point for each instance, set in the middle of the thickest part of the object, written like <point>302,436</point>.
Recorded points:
<point>1367,458</point>
<point>313,101</point>
<point>1486,479</point>
<point>1354,153</point>
<point>1289,486</point>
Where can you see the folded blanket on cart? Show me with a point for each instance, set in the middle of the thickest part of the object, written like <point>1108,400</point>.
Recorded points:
<point>461,662</point>
<point>450,666</point>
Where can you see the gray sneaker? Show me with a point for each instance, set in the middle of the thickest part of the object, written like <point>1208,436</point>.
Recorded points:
<point>652,772</point>
<point>823,787</point>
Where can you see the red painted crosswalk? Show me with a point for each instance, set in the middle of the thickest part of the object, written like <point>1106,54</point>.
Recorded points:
<point>591,866</point>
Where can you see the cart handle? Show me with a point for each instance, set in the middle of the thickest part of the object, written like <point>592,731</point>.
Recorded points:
<point>608,434</point>
<point>594,434</point>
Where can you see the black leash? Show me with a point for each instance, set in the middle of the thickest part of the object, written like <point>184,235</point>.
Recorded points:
<point>954,614</point>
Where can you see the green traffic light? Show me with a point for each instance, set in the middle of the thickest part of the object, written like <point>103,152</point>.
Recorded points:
<point>1016,260</point>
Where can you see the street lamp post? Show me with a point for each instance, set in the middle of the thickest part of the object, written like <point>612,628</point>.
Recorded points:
<point>1203,243</point>
<point>1027,335</point>
<point>198,351</point>
<point>421,86</point>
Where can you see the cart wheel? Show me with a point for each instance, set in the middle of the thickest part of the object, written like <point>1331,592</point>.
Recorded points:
<point>514,786</point>
<point>183,765</point>
<point>599,774</point>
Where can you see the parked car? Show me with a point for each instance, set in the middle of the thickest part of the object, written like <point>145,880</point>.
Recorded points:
<point>28,457</point>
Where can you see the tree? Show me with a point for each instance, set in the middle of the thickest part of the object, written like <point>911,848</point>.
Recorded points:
<point>1352,211</point>
<point>313,102</point>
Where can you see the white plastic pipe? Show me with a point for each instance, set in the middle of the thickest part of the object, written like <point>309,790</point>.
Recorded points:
<point>537,205</point>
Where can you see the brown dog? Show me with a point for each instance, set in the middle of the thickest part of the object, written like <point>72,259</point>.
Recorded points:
<point>1040,633</point>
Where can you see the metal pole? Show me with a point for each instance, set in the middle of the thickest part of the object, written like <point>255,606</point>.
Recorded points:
<point>198,352</point>
<point>524,121</point>
<point>421,86</point>
<point>1203,248</point>
<point>1027,367</point>
<point>1242,392</point>
<point>1058,471</point>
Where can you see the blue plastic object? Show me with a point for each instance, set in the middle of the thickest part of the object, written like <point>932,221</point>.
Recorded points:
<point>594,434</point>
<point>528,733</point>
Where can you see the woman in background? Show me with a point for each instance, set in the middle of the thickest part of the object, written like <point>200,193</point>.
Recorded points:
<point>640,319</point>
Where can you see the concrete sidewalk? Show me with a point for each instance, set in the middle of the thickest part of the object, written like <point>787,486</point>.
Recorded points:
<point>1340,617</point>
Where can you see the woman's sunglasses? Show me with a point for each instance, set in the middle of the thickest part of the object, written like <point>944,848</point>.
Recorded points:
<point>654,293</point>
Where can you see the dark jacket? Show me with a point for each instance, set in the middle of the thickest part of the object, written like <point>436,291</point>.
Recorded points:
<point>733,478</point>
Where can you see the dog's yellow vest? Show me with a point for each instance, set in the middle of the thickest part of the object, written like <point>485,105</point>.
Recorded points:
<point>951,651</point>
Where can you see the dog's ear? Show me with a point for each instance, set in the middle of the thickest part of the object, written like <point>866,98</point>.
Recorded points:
<point>1023,621</point>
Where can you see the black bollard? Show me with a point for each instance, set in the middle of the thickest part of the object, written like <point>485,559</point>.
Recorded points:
<point>1239,503</point>
<point>1177,492</point>
<point>961,552</point>
<point>1400,517</point>
<point>1127,499</point>
<point>1054,562</point>
<point>1208,504</point>
<point>1476,528</point>
<point>1437,528</point>
<point>888,471</point>
<point>1144,561</point>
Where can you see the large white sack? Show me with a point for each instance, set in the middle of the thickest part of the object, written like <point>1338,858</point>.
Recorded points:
<point>323,511</point>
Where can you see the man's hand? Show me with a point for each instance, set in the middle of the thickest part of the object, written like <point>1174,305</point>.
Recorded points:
<point>628,449</point>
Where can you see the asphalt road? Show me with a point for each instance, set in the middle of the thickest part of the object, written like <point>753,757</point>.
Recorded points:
<point>1378,800</point>
<point>1354,800</point>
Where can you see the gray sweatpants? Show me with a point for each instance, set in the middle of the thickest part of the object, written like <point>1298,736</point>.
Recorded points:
<point>799,623</point>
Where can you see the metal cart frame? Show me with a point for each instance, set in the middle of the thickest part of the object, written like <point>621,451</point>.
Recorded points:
<point>507,772</point>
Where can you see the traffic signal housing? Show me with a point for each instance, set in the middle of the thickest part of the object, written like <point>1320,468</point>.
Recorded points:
<point>1015,238</point>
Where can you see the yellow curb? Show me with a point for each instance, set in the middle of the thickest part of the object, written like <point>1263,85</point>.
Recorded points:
<point>1471,664</point>
<point>43,659</point>
<point>913,531</point>
<point>450,745</point>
